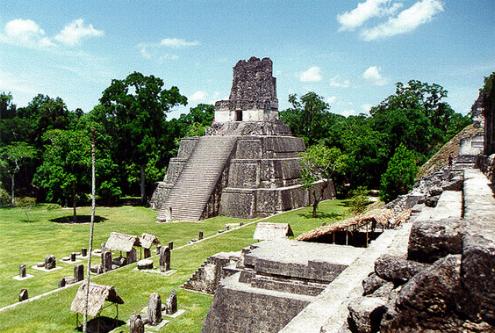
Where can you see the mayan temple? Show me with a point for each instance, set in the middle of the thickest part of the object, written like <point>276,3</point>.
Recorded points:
<point>247,164</point>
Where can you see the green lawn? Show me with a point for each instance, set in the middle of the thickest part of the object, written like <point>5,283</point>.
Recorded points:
<point>28,241</point>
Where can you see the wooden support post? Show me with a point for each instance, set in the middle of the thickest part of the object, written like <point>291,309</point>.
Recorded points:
<point>346,237</point>
<point>333,237</point>
<point>366,234</point>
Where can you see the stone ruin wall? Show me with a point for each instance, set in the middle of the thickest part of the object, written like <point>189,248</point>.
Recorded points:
<point>236,310</point>
<point>264,177</point>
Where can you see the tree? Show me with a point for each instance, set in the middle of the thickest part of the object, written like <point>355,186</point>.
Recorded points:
<point>134,113</point>
<point>319,162</point>
<point>400,175</point>
<point>14,156</point>
<point>306,116</point>
<point>65,170</point>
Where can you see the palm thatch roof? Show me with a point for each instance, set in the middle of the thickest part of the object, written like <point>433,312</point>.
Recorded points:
<point>98,294</point>
<point>382,217</point>
<point>271,231</point>
<point>147,240</point>
<point>121,242</point>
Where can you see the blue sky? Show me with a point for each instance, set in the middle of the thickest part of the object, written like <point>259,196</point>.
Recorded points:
<point>349,51</point>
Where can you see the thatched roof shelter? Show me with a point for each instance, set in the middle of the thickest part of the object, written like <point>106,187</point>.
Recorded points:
<point>98,294</point>
<point>121,242</point>
<point>270,231</point>
<point>376,217</point>
<point>147,240</point>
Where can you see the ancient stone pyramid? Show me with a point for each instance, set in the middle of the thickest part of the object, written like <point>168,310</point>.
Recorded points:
<point>246,165</point>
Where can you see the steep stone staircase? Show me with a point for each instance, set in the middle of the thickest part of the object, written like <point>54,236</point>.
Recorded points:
<point>192,190</point>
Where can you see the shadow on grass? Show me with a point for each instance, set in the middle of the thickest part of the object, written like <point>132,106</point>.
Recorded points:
<point>321,215</point>
<point>80,219</point>
<point>102,325</point>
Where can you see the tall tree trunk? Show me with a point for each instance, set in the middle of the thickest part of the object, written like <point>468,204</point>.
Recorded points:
<point>12,185</point>
<point>143,187</point>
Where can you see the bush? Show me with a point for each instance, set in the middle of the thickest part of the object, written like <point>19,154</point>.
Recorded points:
<point>400,175</point>
<point>359,200</point>
<point>4,198</point>
<point>25,202</point>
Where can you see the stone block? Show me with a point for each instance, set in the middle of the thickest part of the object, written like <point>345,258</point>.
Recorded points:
<point>365,314</point>
<point>396,269</point>
<point>154,309</point>
<point>433,239</point>
<point>372,283</point>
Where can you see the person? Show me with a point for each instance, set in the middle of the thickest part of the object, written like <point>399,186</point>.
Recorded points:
<point>451,160</point>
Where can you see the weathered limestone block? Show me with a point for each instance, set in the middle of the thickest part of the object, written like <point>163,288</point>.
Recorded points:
<point>384,291</point>
<point>50,262</point>
<point>396,269</point>
<point>106,261</point>
<point>365,314</point>
<point>145,264</point>
<point>433,239</point>
<point>478,275</point>
<point>154,309</point>
<point>79,273</point>
<point>22,271</point>
<point>62,283</point>
<point>372,283</point>
<point>23,295</point>
<point>171,304</point>
<point>428,300</point>
<point>136,324</point>
<point>164,259</point>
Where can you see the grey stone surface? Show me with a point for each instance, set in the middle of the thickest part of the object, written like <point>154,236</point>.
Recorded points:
<point>79,273</point>
<point>164,259</point>
<point>433,239</point>
<point>50,262</point>
<point>208,276</point>
<point>236,304</point>
<point>106,261</point>
<point>136,324</point>
<point>145,264</point>
<point>329,311</point>
<point>171,304</point>
<point>396,269</point>
<point>428,300</point>
<point>23,295</point>
<point>154,309</point>
<point>22,271</point>
<point>365,314</point>
<point>372,283</point>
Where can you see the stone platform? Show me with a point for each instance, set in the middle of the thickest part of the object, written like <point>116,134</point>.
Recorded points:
<point>275,282</point>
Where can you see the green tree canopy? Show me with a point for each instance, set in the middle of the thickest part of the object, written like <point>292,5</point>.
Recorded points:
<point>134,114</point>
<point>400,175</point>
<point>319,162</point>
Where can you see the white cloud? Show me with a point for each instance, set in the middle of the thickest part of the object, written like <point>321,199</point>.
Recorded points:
<point>406,21</point>
<point>364,11</point>
<point>337,82</point>
<point>198,96</point>
<point>366,107</point>
<point>372,74</point>
<point>352,19</point>
<point>331,99</point>
<point>312,74</point>
<point>178,42</point>
<point>74,32</point>
<point>26,33</point>
<point>13,83</point>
